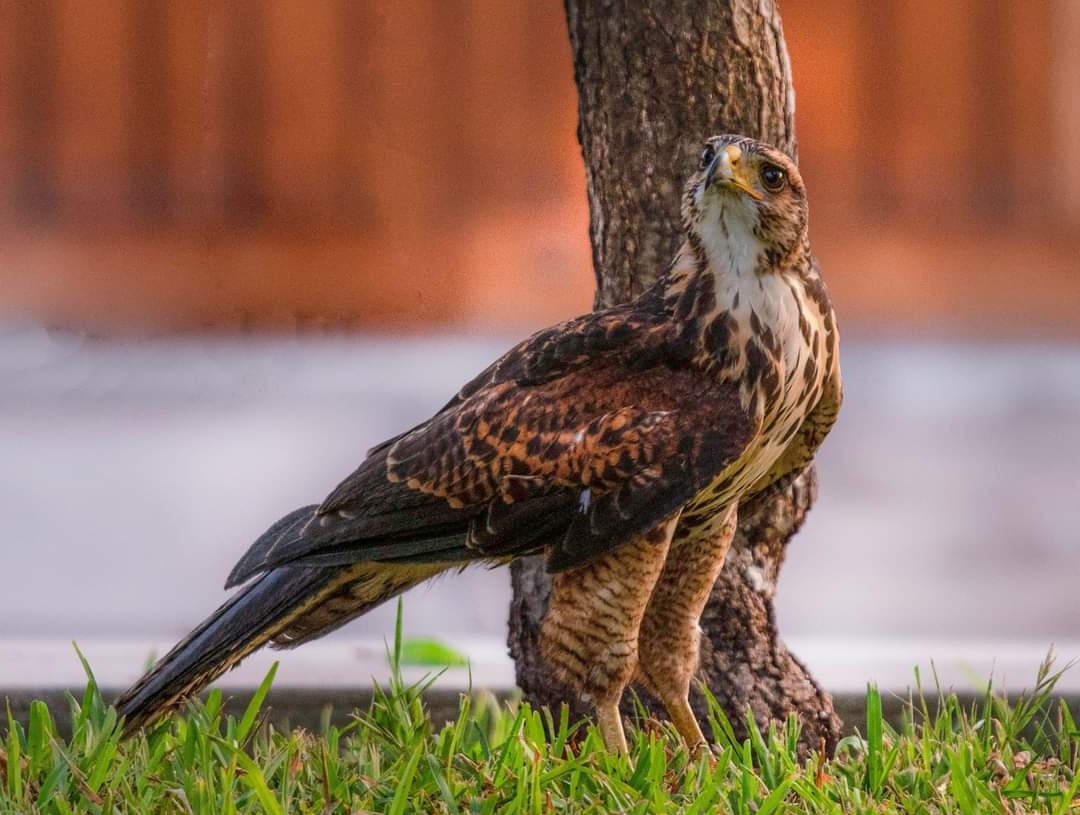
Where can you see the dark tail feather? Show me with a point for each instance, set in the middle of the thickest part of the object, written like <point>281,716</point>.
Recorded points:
<point>289,605</point>
<point>245,622</point>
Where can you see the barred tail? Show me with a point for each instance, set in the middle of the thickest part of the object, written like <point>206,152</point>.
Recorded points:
<point>289,605</point>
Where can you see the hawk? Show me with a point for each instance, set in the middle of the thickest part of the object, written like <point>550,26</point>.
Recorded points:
<point>618,444</point>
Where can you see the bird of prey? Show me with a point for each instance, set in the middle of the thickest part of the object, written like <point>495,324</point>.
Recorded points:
<point>618,444</point>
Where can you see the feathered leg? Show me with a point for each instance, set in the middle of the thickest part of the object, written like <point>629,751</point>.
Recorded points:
<point>590,634</point>
<point>669,640</point>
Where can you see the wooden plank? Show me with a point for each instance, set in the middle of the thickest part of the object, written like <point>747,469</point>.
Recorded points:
<point>495,102</point>
<point>897,277</point>
<point>935,132</point>
<point>993,88</point>
<point>145,283</point>
<point>302,106</point>
<point>9,113</point>
<point>1065,104</point>
<point>33,86</point>
<point>236,111</point>
<point>407,159</point>
<point>880,116</point>
<point>150,122</point>
<point>195,177</point>
<point>360,108</point>
<point>1028,86</point>
<point>94,69</point>
<point>551,115</point>
<point>408,152</point>
<point>824,40</point>
<point>901,278</point>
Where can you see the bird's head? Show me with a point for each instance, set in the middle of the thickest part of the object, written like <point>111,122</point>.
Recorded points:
<point>746,205</point>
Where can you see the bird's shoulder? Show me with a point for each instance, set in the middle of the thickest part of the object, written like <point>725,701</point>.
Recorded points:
<point>636,336</point>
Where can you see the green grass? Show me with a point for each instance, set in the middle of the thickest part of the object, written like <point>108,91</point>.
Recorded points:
<point>990,757</point>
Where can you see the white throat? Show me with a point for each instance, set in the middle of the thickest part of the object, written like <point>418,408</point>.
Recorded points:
<point>727,234</point>
<point>734,253</point>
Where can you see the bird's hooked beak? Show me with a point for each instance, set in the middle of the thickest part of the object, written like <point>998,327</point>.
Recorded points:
<point>727,168</point>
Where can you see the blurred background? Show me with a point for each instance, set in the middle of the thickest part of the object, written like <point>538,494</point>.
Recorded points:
<point>241,241</point>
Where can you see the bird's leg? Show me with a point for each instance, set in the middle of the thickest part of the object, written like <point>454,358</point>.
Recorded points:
<point>670,637</point>
<point>590,633</point>
<point>609,720</point>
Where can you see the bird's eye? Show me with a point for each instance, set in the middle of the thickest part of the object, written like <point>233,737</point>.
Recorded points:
<point>707,156</point>
<point>773,178</point>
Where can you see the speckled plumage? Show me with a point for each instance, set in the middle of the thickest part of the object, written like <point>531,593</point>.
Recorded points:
<point>618,443</point>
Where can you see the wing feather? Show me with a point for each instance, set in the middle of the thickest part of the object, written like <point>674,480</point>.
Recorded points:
<point>568,443</point>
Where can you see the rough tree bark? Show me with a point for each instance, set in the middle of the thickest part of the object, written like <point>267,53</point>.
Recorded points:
<point>654,78</point>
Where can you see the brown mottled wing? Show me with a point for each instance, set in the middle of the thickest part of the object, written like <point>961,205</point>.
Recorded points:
<point>591,459</point>
<point>577,466</point>
<point>638,336</point>
<point>574,441</point>
<point>371,517</point>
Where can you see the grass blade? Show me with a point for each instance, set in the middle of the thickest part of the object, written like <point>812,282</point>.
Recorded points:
<point>255,704</point>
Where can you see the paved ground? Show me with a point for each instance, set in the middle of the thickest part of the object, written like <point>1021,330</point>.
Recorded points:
<point>133,476</point>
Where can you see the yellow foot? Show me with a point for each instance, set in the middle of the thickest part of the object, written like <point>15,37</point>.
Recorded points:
<point>610,721</point>
<point>686,723</point>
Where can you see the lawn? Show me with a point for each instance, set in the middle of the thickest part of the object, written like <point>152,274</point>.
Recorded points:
<point>990,757</point>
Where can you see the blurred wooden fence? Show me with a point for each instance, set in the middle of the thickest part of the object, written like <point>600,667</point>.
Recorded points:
<point>244,163</point>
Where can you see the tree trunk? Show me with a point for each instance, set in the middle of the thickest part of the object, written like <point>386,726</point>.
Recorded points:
<point>655,78</point>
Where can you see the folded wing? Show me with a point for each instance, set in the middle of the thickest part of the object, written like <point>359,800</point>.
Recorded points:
<point>573,450</point>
